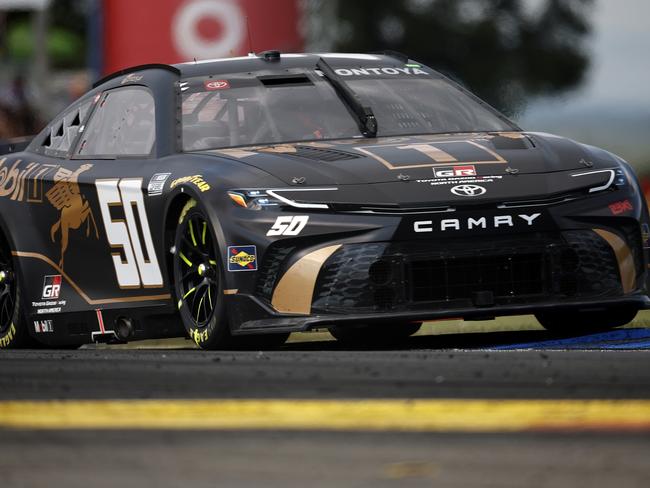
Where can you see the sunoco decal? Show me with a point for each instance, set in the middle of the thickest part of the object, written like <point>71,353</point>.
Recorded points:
<point>242,258</point>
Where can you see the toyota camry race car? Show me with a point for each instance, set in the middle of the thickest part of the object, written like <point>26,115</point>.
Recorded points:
<point>236,201</point>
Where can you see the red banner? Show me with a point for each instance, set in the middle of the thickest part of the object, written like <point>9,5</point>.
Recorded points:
<point>172,31</point>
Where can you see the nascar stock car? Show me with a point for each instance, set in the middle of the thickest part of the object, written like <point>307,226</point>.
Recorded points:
<point>235,201</point>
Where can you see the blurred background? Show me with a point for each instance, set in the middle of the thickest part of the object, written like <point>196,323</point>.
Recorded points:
<point>579,68</point>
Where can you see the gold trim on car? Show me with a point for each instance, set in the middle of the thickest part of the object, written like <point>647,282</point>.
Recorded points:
<point>90,301</point>
<point>624,257</point>
<point>295,290</point>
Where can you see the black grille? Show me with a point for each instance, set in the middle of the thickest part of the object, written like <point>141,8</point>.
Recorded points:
<point>344,281</point>
<point>597,271</point>
<point>460,274</point>
<point>461,278</point>
<point>322,154</point>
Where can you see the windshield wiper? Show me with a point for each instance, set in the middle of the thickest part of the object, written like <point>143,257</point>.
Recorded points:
<point>365,117</point>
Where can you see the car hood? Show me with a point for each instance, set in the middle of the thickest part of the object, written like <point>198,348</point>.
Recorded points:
<point>506,165</point>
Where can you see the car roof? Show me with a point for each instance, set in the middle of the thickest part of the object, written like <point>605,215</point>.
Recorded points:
<point>274,60</point>
<point>265,61</point>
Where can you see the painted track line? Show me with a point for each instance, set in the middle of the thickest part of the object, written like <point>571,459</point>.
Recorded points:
<point>332,415</point>
<point>615,339</point>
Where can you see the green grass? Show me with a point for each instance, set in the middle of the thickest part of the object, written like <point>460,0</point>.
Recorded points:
<point>501,324</point>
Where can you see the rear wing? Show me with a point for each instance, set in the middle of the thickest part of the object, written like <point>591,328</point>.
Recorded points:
<point>14,145</point>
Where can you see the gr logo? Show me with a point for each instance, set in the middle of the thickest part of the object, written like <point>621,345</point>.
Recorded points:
<point>457,171</point>
<point>51,287</point>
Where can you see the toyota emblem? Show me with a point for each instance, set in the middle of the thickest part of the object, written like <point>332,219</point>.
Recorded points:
<point>468,190</point>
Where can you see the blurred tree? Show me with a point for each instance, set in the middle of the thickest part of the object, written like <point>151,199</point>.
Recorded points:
<point>65,37</point>
<point>504,50</point>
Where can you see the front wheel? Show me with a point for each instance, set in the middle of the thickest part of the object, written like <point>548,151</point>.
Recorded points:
<point>198,279</point>
<point>584,322</point>
<point>199,283</point>
<point>374,335</point>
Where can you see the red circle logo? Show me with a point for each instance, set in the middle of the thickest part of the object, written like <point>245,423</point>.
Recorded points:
<point>217,85</point>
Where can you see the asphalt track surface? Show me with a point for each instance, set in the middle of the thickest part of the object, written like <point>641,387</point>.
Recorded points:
<point>492,409</point>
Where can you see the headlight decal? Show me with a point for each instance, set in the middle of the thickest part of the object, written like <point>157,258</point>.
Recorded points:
<point>612,176</point>
<point>271,198</point>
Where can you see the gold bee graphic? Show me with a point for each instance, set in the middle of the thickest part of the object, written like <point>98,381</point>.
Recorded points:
<point>75,210</point>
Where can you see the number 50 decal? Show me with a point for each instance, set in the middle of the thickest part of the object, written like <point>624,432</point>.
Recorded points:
<point>288,225</point>
<point>137,267</point>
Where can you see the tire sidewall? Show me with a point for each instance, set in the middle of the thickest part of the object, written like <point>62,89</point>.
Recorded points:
<point>16,335</point>
<point>215,332</point>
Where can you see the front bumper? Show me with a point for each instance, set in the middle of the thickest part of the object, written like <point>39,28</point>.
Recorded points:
<point>281,323</point>
<point>354,269</point>
<point>414,281</point>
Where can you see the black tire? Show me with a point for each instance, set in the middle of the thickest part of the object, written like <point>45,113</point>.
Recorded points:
<point>198,279</point>
<point>374,335</point>
<point>13,327</point>
<point>199,289</point>
<point>584,322</point>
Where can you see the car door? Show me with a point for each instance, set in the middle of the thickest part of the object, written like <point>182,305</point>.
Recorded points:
<point>114,251</point>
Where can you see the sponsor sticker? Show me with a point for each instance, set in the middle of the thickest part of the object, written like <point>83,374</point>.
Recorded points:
<point>196,180</point>
<point>618,208</point>
<point>212,85</point>
<point>408,70</point>
<point>42,311</point>
<point>455,171</point>
<point>132,78</point>
<point>50,296</point>
<point>242,258</point>
<point>51,287</point>
<point>457,180</point>
<point>41,326</point>
<point>157,184</point>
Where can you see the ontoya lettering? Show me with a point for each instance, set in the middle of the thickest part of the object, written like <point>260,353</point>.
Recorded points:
<point>376,71</point>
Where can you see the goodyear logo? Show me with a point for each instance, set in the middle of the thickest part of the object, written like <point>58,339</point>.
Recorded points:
<point>196,180</point>
<point>242,258</point>
<point>6,340</point>
<point>199,337</point>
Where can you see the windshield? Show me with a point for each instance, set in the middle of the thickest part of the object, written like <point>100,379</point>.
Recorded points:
<point>244,109</point>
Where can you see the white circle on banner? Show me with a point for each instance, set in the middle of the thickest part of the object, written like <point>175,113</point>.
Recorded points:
<point>185,32</point>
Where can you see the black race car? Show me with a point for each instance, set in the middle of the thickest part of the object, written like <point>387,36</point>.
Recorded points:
<point>238,200</point>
